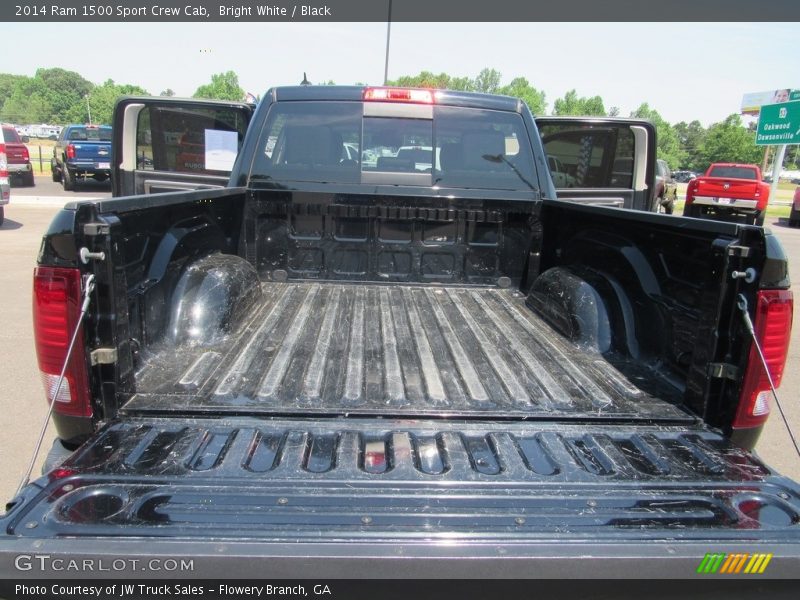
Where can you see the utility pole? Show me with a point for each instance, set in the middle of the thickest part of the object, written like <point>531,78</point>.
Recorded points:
<point>88,108</point>
<point>777,167</point>
<point>388,37</point>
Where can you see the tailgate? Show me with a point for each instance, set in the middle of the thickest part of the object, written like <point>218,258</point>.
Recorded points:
<point>95,151</point>
<point>404,480</point>
<point>726,187</point>
<point>15,153</point>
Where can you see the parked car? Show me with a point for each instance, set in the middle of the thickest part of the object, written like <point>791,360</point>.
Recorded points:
<point>728,192</point>
<point>5,187</point>
<point>794,215</point>
<point>19,160</point>
<point>683,176</point>
<point>82,151</point>
<point>666,190</point>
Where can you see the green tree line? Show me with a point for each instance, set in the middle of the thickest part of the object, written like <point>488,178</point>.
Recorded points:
<point>683,145</point>
<point>57,96</point>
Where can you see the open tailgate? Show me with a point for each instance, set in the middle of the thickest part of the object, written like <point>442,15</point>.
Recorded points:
<point>379,490</point>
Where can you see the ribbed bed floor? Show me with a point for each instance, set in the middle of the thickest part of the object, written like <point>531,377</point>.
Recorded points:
<point>399,350</point>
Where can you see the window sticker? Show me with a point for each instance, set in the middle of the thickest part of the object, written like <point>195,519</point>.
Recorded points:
<point>221,149</point>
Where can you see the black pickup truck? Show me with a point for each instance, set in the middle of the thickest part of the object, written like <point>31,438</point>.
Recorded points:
<point>306,354</point>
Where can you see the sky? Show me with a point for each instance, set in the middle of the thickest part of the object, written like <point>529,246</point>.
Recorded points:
<point>686,71</point>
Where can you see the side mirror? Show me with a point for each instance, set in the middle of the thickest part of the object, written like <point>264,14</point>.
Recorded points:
<point>26,139</point>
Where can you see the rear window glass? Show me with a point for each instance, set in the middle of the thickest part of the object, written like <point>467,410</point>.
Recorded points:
<point>589,156</point>
<point>334,142</point>
<point>90,134</point>
<point>733,172</point>
<point>305,141</point>
<point>478,148</point>
<point>10,135</point>
<point>197,140</point>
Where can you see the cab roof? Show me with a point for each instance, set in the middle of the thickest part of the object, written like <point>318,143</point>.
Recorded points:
<point>355,93</point>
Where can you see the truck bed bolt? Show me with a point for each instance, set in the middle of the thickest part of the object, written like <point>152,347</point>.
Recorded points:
<point>31,525</point>
<point>784,495</point>
<point>283,501</point>
<point>591,503</point>
<point>68,487</point>
<point>519,520</point>
<point>366,520</point>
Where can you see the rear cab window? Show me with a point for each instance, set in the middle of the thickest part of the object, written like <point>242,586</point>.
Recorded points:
<point>197,140</point>
<point>589,156</point>
<point>355,142</point>
<point>10,136</point>
<point>731,172</point>
<point>89,134</point>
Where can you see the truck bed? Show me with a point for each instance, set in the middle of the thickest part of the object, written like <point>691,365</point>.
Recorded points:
<point>354,349</point>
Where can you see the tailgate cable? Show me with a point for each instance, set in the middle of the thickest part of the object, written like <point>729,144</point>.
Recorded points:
<point>87,290</point>
<point>742,304</point>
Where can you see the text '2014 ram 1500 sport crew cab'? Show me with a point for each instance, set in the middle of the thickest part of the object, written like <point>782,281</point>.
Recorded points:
<point>301,362</point>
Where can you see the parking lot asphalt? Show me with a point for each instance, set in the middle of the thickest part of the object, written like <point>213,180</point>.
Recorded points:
<point>22,405</point>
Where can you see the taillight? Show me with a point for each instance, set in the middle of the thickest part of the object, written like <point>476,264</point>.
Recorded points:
<point>25,154</point>
<point>70,151</point>
<point>762,193</point>
<point>773,327</point>
<point>4,183</point>
<point>56,311</point>
<point>382,94</point>
<point>691,190</point>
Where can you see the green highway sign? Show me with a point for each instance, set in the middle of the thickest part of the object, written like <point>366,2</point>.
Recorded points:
<point>779,124</point>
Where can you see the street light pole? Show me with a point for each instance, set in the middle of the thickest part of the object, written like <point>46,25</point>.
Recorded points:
<point>88,108</point>
<point>388,37</point>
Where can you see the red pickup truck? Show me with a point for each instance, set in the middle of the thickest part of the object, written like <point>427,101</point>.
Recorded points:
<point>730,192</point>
<point>19,160</point>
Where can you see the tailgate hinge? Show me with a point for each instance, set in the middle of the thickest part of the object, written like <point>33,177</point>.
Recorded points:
<point>95,229</point>
<point>103,356</point>
<point>723,371</point>
<point>740,251</point>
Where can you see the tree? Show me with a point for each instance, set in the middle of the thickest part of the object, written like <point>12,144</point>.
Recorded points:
<point>488,80</point>
<point>522,89</point>
<point>690,138</point>
<point>48,96</point>
<point>668,145</point>
<point>572,104</point>
<point>729,141</point>
<point>462,84</point>
<point>168,93</point>
<point>425,79</point>
<point>8,83</point>
<point>223,86</point>
<point>101,100</point>
<point>61,90</point>
<point>24,106</point>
